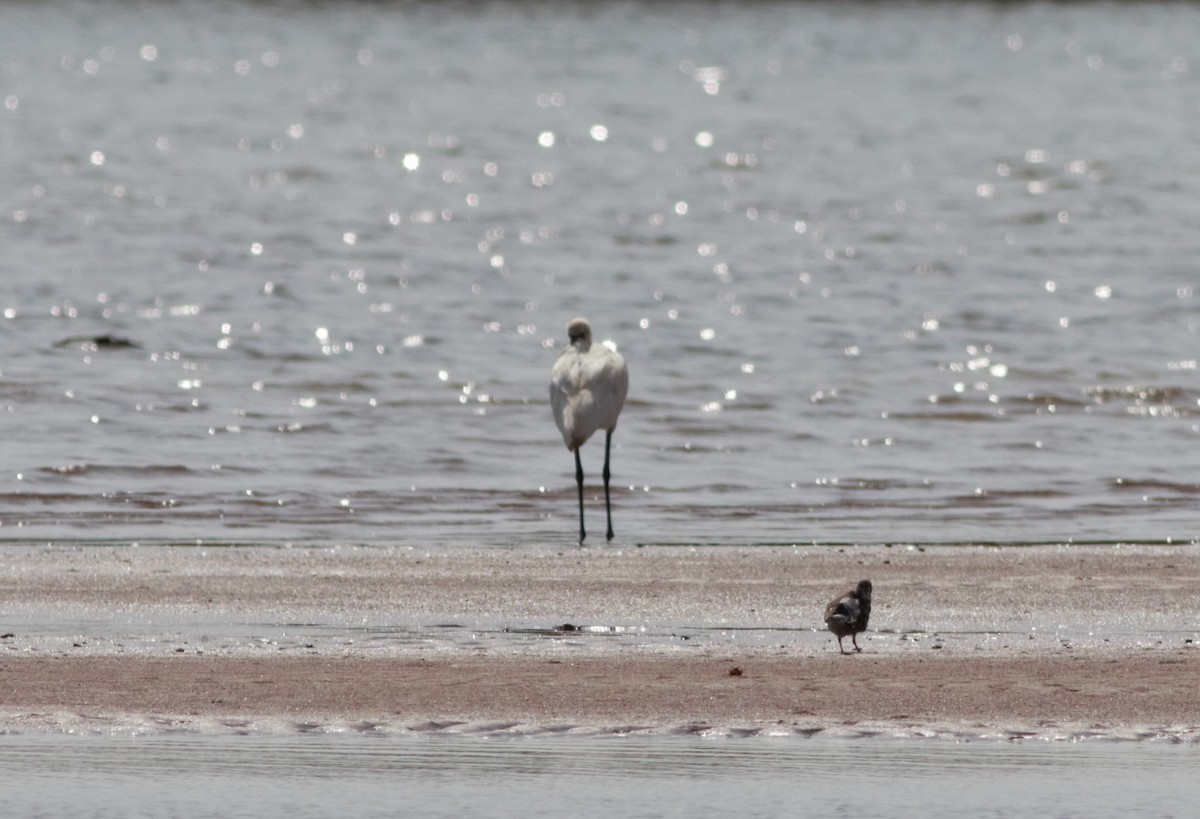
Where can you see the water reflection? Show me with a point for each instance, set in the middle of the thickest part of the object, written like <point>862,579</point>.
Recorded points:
<point>333,273</point>
<point>541,775</point>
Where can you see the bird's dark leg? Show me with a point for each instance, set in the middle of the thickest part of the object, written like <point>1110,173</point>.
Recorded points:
<point>579,483</point>
<point>854,639</point>
<point>607,503</point>
<point>842,650</point>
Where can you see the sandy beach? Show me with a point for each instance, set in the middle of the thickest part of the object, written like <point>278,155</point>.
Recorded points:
<point>1096,641</point>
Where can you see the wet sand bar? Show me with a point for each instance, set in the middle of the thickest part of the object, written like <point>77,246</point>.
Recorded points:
<point>1076,695</point>
<point>965,640</point>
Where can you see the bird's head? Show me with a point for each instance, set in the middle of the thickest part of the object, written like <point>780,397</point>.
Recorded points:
<point>579,330</point>
<point>864,590</point>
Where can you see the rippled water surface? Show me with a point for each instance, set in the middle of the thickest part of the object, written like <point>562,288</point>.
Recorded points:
<point>594,776</point>
<point>297,272</point>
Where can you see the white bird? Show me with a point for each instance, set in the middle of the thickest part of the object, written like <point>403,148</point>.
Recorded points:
<point>587,391</point>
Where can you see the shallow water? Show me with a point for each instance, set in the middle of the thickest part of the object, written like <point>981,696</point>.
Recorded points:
<point>297,272</point>
<point>587,776</point>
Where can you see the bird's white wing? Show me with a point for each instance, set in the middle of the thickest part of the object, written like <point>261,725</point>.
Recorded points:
<point>566,382</point>
<point>610,385</point>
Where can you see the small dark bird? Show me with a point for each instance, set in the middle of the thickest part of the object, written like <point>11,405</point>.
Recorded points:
<point>847,614</point>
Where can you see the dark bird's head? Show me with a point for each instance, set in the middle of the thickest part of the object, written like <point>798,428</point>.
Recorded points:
<point>579,330</point>
<point>863,592</point>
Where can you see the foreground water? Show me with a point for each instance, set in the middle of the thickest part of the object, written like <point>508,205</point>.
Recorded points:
<point>294,273</point>
<point>198,776</point>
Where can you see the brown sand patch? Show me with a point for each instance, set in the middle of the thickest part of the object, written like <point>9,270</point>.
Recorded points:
<point>1151,688</point>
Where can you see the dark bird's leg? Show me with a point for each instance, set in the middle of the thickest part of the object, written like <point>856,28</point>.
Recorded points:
<point>579,483</point>
<point>842,650</point>
<point>607,503</point>
<point>854,639</point>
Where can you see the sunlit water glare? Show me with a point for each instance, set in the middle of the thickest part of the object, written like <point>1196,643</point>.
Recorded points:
<point>297,273</point>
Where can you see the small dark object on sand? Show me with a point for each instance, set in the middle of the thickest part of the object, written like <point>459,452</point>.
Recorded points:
<point>736,671</point>
<point>847,614</point>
